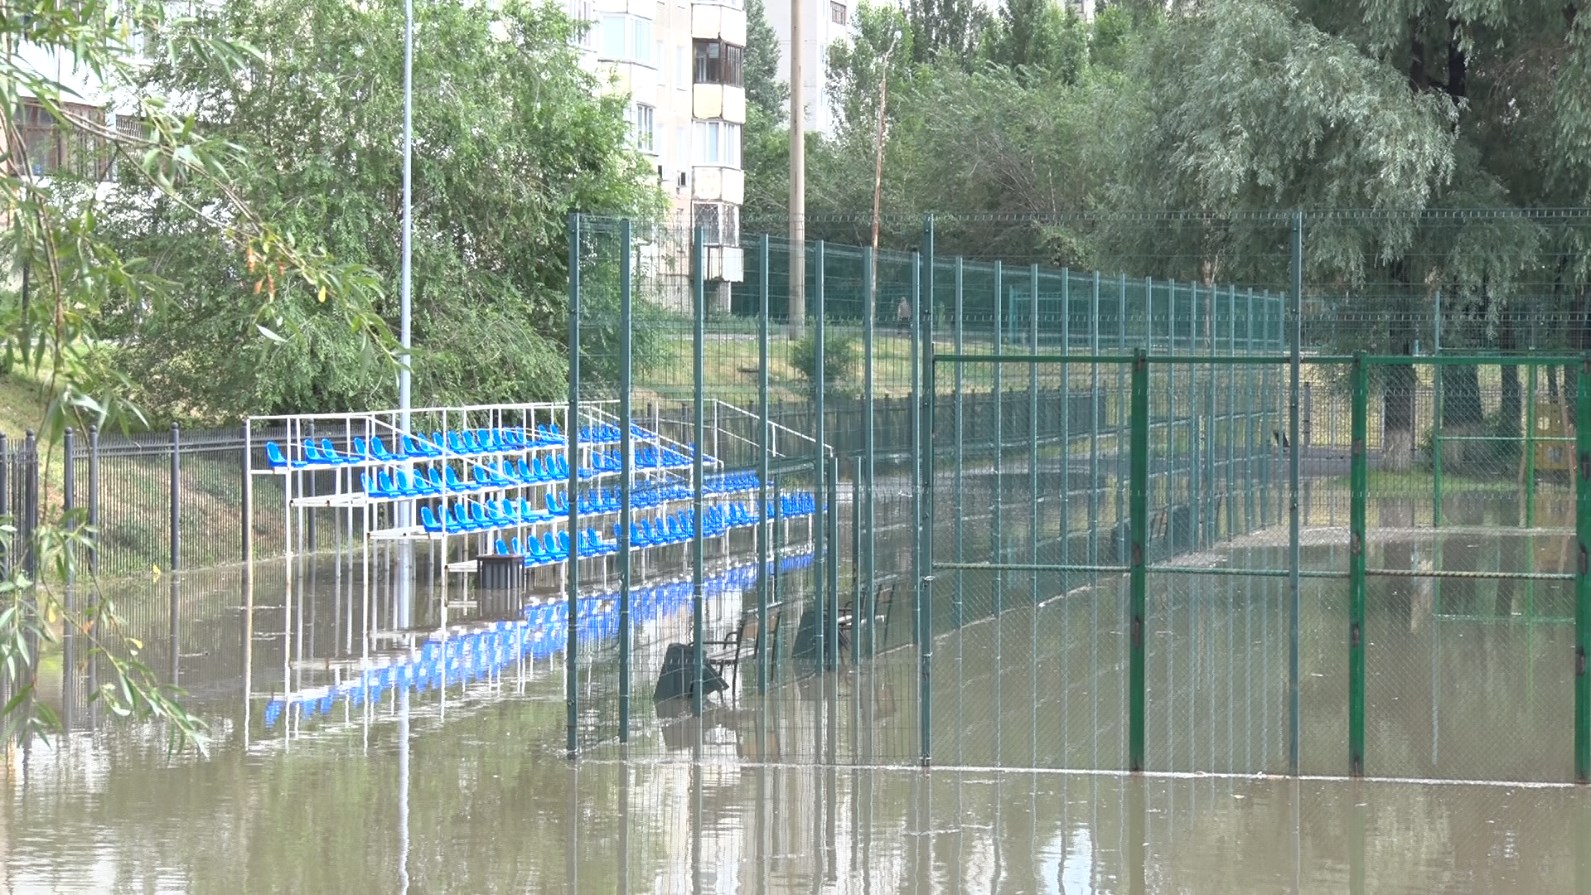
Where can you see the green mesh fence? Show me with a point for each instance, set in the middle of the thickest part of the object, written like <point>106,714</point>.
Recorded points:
<point>978,581</point>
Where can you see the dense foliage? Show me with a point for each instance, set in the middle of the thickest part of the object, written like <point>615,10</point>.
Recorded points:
<point>509,138</point>
<point>1422,138</point>
<point>62,280</point>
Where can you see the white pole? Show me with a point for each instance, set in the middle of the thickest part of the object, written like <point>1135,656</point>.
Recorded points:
<point>798,175</point>
<point>405,507</point>
<point>878,175</point>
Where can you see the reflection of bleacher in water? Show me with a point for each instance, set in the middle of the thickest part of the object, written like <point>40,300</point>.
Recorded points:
<point>464,657</point>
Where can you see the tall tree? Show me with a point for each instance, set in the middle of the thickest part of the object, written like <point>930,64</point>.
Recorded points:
<point>945,30</point>
<point>855,70</point>
<point>1040,38</point>
<point>765,143</point>
<point>764,91</point>
<point>59,155</point>
<point>1516,76</point>
<point>509,138</point>
<point>1246,107</point>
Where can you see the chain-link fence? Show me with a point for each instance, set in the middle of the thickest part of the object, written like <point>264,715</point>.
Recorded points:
<point>1186,492</point>
<point>1145,519</point>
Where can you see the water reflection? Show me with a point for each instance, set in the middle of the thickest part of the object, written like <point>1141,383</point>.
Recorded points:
<point>480,803</point>
<point>792,792</point>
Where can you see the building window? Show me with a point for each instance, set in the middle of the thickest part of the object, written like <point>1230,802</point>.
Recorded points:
<point>582,16</point>
<point>719,223</point>
<point>719,63</point>
<point>643,127</point>
<point>837,13</point>
<point>54,148</point>
<point>641,36</point>
<point>717,143</point>
<point>626,39</point>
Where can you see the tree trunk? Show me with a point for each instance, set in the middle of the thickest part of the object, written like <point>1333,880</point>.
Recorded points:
<point>1397,415</point>
<point>1510,409</point>
<point>1397,403</point>
<point>1462,419</point>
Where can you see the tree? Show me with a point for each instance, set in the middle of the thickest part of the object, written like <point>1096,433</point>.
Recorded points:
<point>765,143</point>
<point>62,275</point>
<point>1040,39</point>
<point>1244,108</point>
<point>854,70</point>
<point>764,91</point>
<point>945,30</point>
<point>509,139</point>
<point>1515,76</point>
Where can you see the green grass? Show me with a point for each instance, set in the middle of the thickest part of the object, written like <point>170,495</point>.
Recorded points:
<point>732,360</point>
<point>21,404</point>
<point>1385,483</point>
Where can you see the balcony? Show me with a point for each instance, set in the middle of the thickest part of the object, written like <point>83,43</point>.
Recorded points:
<point>719,101</point>
<point>714,21</point>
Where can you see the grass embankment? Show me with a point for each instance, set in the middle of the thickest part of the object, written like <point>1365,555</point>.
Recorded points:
<point>732,360</point>
<point>21,405</point>
<point>135,494</point>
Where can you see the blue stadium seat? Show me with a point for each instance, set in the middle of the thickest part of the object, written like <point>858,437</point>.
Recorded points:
<point>331,455</point>
<point>273,456</point>
<point>429,521</point>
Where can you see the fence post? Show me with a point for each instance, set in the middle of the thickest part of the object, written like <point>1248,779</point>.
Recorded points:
<point>1438,417</point>
<point>93,498</point>
<point>698,496</point>
<point>923,386</point>
<point>867,556</point>
<point>1033,454</point>
<point>765,523</point>
<point>246,648</point>
<point>29,522</point>
<point>1356,567</point>
<point>861,599</point>
<point>958,315</point>
<point>69,595</point>
<point>826,625</point>
<point>832,522</point>
<point>248,488</point>
<point>626,470</point>
<point>1530,451</point>
<point>1582,602</point>
<point>999,448</point>
<point>5,502</point>
<point>176,550</point>
<point>1294,524</point>
<point>176,469</point>
<point>1138,527</point>
<point>572,434</point>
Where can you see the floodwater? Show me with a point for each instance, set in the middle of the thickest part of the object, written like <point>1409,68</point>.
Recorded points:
<point>463,787</point>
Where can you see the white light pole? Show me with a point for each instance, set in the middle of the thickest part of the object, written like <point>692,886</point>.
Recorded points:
<point>406,507</point>
<point>878,174</point>
<point>798,176</point>
<point>405,250</point>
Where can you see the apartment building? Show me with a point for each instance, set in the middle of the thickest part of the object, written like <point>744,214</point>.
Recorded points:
<point>681,63</point>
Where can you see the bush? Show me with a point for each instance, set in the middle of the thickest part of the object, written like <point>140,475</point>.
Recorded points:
<point>842,355</point>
